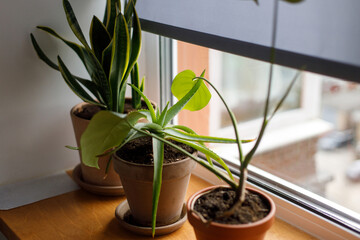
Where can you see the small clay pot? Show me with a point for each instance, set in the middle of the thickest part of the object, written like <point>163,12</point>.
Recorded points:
<point>137,180</point>
<point>215,231</point>
<point>89,174</point>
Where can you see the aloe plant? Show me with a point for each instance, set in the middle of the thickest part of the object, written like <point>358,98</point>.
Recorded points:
<point>110,58</point>
<point>114,130</point>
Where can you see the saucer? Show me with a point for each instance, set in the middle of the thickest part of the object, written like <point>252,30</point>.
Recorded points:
<point>122,213</point>
<point>97,189</point>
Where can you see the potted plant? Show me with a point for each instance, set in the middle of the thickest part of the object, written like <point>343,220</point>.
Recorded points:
<point>110,58</point>
<point>159,187</point>
<point>234,211</point>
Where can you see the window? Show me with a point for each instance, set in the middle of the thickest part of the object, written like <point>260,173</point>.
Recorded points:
<point>312,129</point>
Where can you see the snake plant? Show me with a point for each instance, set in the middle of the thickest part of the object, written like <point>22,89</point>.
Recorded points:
<point>110,58</point>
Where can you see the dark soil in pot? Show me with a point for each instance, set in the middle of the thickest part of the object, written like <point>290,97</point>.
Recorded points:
<point>89,110</point>
<point>140,151</point>
<point>216,202</point>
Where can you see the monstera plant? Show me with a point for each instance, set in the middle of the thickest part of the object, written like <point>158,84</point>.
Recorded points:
<point>110,58</point>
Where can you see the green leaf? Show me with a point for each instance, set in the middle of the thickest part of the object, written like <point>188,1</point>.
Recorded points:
<point>112,6</point>
<point>136,98</point>
<point>158,151</point>
<point>74,85</point>
<point>99,37</point>
<point>194,137</point>
<point>120,58</point>
<point>106,130</point>
<point>106,58</point>
<point>175,109</point>
<point>183,83</point>
<point>135,44</point>
<point>161,119</point>
<point>202,148</point>
<point>73,23</point>
<point>147,102</point>
<point>89,60</point>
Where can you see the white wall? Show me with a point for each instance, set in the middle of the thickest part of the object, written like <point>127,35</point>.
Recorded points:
<point>34,100</point>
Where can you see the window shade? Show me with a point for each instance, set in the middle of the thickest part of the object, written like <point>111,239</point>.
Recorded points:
<point>323,35</point>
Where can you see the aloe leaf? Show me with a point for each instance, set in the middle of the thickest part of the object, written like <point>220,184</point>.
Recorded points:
<point>106,130</point>
<point>183,83</point>
<point>99,37</point>
<point>147,102</point>
<point>202,148</point>
<point>195,137</point>
<point>73,23</point>
<point>74,85</point>
<point>212,169</point>
<point>120,58</point>
<point>158,151</point>
<point>162,116</point>
<point>177,107</point>
<point>146,113</point>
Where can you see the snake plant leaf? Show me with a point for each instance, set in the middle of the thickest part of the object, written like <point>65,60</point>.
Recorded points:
<point>177,107</point>
<point>112,6</point>
<point>99,37</point>
<point>91,86</point>
<point>202,148</point>
<point>136,98</point>
<point>106,13</point>
<point>90,62</point>
<point>129,9</point>
<point>120,57</point>
<point>158,151</point>
<point>135,44</point>
<point>106,130</point>
<point>73,23</point>
<point>41,53</point>
<point>182,84</point>
<point>106,58</point>
<point>74,85</point>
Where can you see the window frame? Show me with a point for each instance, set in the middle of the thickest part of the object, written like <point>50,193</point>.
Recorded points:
<point>312,218</point>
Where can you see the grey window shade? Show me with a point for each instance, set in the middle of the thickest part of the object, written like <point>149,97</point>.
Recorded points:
<point>324,35</point>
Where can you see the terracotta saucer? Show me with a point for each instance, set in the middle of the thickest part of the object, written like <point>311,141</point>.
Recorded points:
<point>122,213</point>
<point>97,189</point>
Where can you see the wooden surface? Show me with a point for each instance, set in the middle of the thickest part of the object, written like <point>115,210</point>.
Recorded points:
<point>81,215</point>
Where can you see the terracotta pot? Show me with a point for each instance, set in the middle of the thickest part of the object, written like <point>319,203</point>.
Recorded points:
<point>89,174</point>
<point>215,231</point>
<point>137,180</point>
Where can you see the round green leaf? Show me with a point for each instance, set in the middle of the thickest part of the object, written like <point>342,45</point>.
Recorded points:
<point>183,83</point>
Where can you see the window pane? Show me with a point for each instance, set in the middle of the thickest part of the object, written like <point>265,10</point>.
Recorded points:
<point>312,142</point>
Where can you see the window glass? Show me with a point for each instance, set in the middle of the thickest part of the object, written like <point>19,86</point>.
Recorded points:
<point>313,142</point>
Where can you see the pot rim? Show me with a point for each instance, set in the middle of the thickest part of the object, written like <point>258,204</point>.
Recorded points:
<point>117,158</point>
<point>195,196</point>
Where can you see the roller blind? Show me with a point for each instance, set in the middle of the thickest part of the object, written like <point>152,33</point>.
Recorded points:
<point>324,35</point>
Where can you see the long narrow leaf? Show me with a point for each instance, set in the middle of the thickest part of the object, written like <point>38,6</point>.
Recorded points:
<point>111,15</point>
<point>147,102</point>
<point>73,23</point>
<point>194,137</point>
<point>120,58</point>
<point>175,109</point>
<point>74,86</point>
<point>202,148</point>
<point>158,151</point>
<point>89,60</point>
<point>135,44</point>
<point>162,116</point>
<point>136,98</point>
<point>99,37</point>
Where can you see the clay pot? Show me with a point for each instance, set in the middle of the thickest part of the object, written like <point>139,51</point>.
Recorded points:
<point>137,180</point>
<point>215,231</point>
<point>89,174</point>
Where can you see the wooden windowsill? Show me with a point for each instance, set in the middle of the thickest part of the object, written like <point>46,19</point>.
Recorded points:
<point>81,215</point>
